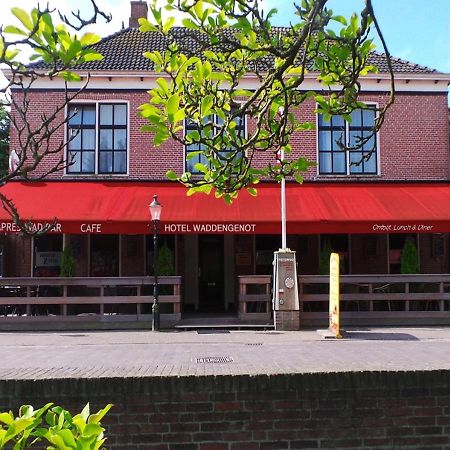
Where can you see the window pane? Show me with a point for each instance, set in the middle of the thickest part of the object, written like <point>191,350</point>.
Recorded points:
<point>75,162</point>
<point>105,162</point>
<point>120,139</point>
<point>189,123</point>
<point>89,115</point>
<point>240,122</point>
<point>354,138</point>
<point>106,114</point>
<point>368,117</point>
<point>120,162</point>
<point>325,162</point>
<point>324,140</point>
<point>338,136</point>
<point>322,122</point>
<point>191,163</point>
<point>337,121</point>
<point>356,118</point>
<point>106,139</point>
<point>192,148</point>
<point>370,166</point>
<point>74,115</point>
<point>355,157</point>
<point>89,139</point>
<point>120,114</point>
<point>203,160</point>
<point>370,144</point>
<point>75,143</point>
<point>87,162</point>
<point>339,162</point>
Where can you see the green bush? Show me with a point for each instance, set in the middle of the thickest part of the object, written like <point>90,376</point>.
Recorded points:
<point>67,262</point>
<point>408,259</point>
<point>53,425</point>
<point>165,261</point>
<point>324,258</point>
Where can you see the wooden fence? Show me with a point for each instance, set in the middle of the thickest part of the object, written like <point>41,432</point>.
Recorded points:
<point>87,302</point>
<point>365,299</point>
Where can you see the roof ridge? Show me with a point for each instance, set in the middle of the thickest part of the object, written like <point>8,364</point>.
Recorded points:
<point>405,61</point>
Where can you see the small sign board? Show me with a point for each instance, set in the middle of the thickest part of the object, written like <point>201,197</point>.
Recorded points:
<point>48,259</point>
<point>334,316</point>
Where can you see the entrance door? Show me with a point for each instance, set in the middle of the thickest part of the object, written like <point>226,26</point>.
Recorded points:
<point>211,273</point>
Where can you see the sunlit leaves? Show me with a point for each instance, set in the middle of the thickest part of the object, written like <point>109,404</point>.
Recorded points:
<point>51,43</point>
<point>236,46</point>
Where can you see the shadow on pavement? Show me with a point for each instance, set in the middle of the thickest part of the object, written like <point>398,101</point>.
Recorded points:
<point>379,336</point>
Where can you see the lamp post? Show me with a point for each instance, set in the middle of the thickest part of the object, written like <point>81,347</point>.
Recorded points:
<point>155,211</point>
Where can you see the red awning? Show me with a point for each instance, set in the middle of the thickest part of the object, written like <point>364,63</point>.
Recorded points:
<point>312,208</point>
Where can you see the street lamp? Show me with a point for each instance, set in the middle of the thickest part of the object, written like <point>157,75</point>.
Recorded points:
<point>155,211</point>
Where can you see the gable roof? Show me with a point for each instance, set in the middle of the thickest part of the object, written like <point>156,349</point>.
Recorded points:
<point>124,51</point>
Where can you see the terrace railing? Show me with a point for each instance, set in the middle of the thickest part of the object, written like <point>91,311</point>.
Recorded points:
<point>378,299</point>
<point>255,300</point>
<point>365,299</point>
<point>113,302</point>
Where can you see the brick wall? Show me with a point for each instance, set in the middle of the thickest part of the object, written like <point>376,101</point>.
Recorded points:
<point>376,410</point>
<point>414,140</point>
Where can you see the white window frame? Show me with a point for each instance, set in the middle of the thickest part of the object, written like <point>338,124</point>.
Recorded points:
<point>97,110</point>
<point>348,173</point>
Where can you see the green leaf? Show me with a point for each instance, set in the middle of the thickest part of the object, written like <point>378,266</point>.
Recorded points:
<point>162,83</point>
<point>92,56</point>
<point>198,8</point>
<point>191,155</point>
<point>85,412</point>
<point>89,39</point>
<point>206,105</point>
<point>298,178</point>
<point>172,107</point>
<point>69,76</point>
<point>252,191</point>
<point>188,23</point>
<point>171,175</point>
<point>340,19</point>
<point>145,25</point>
<point>14,30</point>
<point>179,116</point>
<point>67,437</point>
<point>6,418</point>
<point>59,442</point>
<point>227,199</point>
<point>93,429</point>
<point>168,24</point>
<point>23,16</point>
<point>199,167</point>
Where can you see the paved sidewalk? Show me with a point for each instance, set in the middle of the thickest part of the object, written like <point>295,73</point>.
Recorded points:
<point>146,354</point>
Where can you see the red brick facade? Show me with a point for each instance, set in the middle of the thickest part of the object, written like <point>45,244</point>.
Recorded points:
<point>413,143</point>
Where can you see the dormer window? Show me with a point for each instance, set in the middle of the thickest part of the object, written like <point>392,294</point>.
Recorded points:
<point>98,138</point>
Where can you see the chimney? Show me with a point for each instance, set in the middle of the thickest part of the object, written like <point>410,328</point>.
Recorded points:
<point>138,9</point>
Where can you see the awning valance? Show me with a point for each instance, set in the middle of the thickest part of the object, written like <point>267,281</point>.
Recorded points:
<point>93,207</point>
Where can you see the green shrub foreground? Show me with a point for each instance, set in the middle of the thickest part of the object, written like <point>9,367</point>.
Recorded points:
<point>52,426</point>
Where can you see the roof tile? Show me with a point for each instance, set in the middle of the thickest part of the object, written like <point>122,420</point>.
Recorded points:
<point>124,51</point>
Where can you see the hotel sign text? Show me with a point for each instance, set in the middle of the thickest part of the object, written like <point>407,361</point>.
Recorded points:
<point>209,228</point>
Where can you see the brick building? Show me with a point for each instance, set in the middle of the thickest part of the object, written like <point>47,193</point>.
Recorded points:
<point>365,212</point>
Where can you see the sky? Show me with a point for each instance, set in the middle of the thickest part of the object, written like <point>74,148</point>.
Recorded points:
<point>415,30</point>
